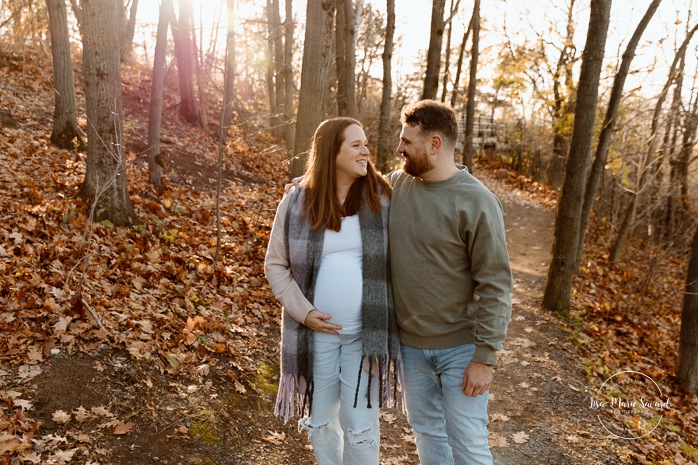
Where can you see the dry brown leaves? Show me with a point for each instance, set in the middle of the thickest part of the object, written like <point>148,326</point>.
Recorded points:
<point>153,290</point>
<point>631,316</point>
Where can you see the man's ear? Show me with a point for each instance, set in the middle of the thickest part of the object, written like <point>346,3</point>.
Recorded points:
<point>436,142</point>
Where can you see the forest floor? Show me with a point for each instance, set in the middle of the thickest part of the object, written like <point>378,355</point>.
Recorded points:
<point>134,346</point>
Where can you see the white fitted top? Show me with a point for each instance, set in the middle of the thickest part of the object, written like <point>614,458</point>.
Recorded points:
<point>339,282</point>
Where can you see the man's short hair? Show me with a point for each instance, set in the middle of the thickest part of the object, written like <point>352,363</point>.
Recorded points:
<point>432,116</point>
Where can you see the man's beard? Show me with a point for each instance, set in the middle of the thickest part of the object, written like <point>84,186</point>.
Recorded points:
<point>417,164</point>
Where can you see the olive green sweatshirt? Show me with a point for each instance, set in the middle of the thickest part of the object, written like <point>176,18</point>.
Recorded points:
<point>450,267</point>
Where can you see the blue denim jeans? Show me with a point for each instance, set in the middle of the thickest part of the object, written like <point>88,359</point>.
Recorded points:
<point>340,433</point>
<point>449,427</point>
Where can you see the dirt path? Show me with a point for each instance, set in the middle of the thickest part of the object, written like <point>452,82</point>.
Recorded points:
<point>539,410</point>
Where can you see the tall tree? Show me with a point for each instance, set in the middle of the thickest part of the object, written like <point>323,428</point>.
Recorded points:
<point>270,58</point>
<point>687,369</point>
<point>277,43</point>
<point>385,118</point>
<point>669,153</point>
<point>679,167</point>
<point>345,53</point>
<point>453,8</point>
<point>155,161</point>
<point>609,123</point>
<point>181,33</point>
<point>468,149</point>
<point>104,188</point>
<point>431,79</point>
<point>558,287</point>
<point>65,132</point>
<point>644,165</point>
<point>314,73</point>
<point>198,60</point>
<point>563,105</point>
<point>229,72</point>
<point>459,64</point>
<point>129,29</point>
<point>289,127</point>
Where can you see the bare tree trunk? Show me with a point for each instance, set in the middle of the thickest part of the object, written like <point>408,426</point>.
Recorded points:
<point>609,123</point>
<point>459,66</point>
<point>290,127</point>
<point>431,80</point>
<point>447,57</point>
<point>156,164</point>
<point>226,116</point>
<point>229,72</point>
<point>669,148</point>
<point>277,41</point>
<point>385,118</point>
<point>270,69</point>
<point>643,169</point>
<point>200,80</point>
<point>687,368</point>
<point>127,39</point>
<point>340,56</point>
<point>345,45</point>
<point>468,150</point>
<point>558,287</point>
<point>563,106</point>
<point>65,132</point>
<point>683,161</point>
<point>316,62</point>
<point>181,33</point>
<point>104,188</point>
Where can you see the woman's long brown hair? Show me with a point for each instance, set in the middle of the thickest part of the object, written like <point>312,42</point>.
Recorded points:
<point>321,204</point>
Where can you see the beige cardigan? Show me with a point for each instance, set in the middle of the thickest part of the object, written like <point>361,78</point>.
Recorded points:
<point>278,269</point>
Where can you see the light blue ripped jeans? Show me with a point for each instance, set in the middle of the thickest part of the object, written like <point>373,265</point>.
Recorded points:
<point>340,433</point>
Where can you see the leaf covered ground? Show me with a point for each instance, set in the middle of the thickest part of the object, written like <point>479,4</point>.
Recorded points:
<point>133,345</point>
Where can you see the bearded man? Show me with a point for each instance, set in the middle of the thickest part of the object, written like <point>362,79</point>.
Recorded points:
<point>452,285</point>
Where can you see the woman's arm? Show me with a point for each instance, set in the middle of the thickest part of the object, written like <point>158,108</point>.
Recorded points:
<point>278,269</point>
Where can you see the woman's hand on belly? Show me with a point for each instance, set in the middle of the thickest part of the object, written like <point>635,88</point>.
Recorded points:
<point>317,321</point>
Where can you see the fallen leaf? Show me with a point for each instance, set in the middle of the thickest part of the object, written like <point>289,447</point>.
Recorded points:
<point>101,411</point>
<point>24,404</point>
<point>60,417</point>
<point>239,387</point>
<point>11,443</point>
<point>62,456</point>
<point>520,437</point>
<point>275,438</point>
<point>17,237</point>
<point>81,414</point>
<point>123,428</point>
<point>85,438</point>
<point>497,441</point>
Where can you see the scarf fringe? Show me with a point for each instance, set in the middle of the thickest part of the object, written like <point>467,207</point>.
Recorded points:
<point>292,397</point>
<point>388,385</point>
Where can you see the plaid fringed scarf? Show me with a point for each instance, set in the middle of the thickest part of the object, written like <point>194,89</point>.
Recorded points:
<point>380,340</point>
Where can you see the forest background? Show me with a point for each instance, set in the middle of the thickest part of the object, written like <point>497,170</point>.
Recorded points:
<point>143,162</point>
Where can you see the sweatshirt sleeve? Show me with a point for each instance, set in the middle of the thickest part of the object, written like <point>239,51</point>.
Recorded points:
<point>491,272</point>
<point>278,269</point>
